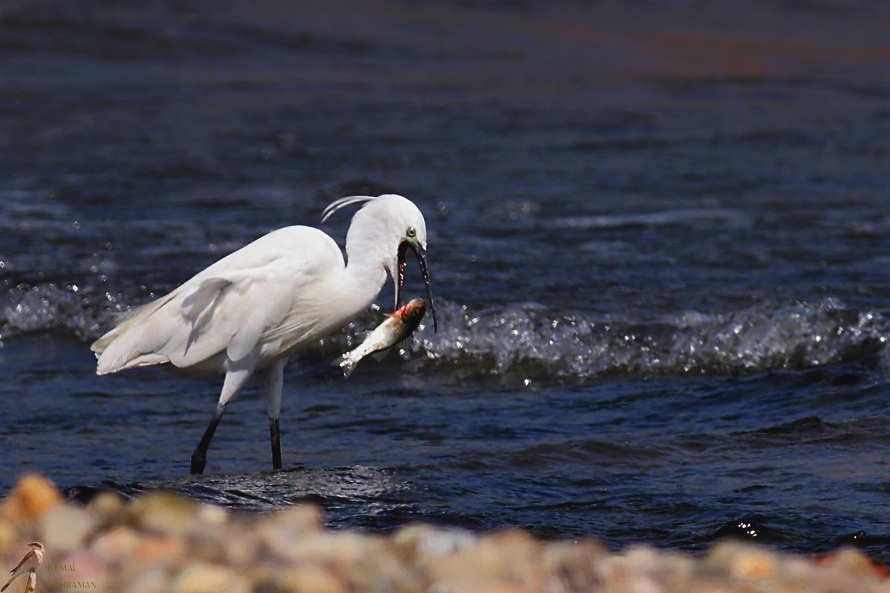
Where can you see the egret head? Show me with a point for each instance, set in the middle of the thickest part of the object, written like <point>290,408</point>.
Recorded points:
<point>390,225</point>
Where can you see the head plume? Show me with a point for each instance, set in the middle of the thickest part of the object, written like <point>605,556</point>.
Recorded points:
<point>397,217</point>
<point>342,203</point>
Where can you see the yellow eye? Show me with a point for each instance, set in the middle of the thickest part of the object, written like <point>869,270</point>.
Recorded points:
<point>411,232</point>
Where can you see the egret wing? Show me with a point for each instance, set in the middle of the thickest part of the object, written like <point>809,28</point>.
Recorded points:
<point>237,306</point>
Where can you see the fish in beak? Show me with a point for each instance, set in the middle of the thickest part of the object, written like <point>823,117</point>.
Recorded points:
<point>419,251</point>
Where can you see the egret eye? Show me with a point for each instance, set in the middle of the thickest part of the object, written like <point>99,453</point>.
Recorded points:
<point>411,232</point>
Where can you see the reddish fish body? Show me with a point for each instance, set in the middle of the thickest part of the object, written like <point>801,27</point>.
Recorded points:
<point>397,326</point>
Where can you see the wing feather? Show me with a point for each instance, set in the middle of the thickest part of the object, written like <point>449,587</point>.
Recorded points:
<point>242,306</point>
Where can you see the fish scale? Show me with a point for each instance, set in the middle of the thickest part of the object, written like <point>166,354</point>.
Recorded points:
<point>397,326</point>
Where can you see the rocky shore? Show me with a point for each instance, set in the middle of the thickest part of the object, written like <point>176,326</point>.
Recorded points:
<point>163,542</point>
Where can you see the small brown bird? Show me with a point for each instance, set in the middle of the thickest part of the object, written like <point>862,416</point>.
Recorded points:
<point>29,564</point>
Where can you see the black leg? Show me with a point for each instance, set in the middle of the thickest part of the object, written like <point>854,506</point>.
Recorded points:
<point>275,438</point>
<point>199,457</point>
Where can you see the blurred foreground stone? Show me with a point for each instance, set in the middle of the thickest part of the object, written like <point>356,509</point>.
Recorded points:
<point>163,542</point>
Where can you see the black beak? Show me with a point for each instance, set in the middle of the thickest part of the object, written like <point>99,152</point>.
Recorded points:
<point>421,259</point>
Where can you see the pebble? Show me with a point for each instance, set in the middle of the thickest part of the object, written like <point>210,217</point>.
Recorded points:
<point>201,577</point>
<point>163,542</point>
<point>30,498</point>
<point>116,545</point>
<point>64,526</point>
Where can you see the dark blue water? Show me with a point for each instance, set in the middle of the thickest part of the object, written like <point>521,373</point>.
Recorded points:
<point>659,236</point>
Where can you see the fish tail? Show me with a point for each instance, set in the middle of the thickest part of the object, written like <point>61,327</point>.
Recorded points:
<point>347,364</point>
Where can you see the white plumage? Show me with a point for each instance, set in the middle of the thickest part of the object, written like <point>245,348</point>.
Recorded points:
<point>246,314</point>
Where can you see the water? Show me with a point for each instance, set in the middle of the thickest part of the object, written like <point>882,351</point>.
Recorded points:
<point>659,236</point>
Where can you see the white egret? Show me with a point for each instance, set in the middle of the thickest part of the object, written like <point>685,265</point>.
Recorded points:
<point>245,315</point>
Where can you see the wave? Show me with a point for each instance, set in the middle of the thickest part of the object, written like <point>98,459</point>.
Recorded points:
<point>264,491</point>
<point>532,342</point>
<point>537,343</point>
<point>693,217</point>
<point>26,309</point>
